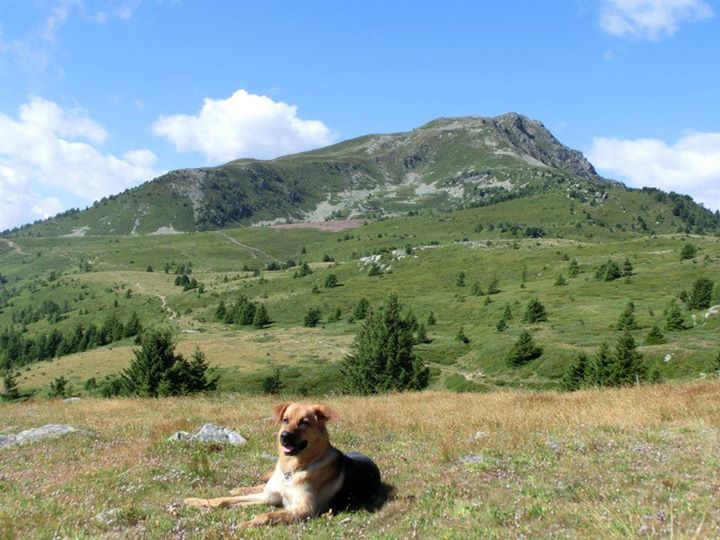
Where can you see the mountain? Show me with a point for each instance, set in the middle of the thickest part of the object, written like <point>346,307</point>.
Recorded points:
<point>449,163</point>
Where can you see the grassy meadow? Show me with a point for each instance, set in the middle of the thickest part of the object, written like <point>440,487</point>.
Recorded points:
<point>639,462</point>
<point>95,277</point>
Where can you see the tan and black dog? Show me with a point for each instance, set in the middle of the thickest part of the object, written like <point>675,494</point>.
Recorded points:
<point>311,476</point>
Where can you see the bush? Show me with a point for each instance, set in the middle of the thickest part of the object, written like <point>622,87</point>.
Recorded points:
<point>361,309</point>
<point>673,318</point>
<point>654,336</point>
<point>272,383</point>
<point>331,281</point>
<point>59,387</point>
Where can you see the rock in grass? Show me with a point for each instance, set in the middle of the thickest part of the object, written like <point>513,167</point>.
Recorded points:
<point>210,433</point>
<point>48,431</point>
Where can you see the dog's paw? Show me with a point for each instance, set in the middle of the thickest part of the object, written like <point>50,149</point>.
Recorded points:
<point>197,502</point>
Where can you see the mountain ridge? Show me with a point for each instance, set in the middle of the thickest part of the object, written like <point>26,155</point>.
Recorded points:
<point>446,164</point>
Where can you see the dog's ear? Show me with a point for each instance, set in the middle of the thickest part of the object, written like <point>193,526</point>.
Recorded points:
<point>323,413</point>
<point>280,411</point>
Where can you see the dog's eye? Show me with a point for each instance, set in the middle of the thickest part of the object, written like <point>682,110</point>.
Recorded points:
<point>303,422</point>
<point>285,421</point>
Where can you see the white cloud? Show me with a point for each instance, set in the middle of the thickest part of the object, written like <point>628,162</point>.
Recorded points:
<point>650,19</point>
<point>243,125</point>
<point>690,166</point>
<point>47,149</point>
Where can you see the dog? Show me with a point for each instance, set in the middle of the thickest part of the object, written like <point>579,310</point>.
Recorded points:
<point>310,477</point>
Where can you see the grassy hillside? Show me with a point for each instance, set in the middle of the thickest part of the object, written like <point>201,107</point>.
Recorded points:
<point>638,462</point>
<point>93,278</point>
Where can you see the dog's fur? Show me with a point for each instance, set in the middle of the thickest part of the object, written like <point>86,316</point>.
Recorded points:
<point>310,477</point>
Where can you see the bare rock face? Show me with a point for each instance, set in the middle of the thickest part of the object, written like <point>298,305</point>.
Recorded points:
<point>29,436</point>
<point>210,433</point>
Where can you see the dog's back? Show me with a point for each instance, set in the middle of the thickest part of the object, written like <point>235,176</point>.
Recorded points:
<point>361,485</point>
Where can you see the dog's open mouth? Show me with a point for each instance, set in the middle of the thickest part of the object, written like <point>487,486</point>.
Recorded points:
<point>293,449</point>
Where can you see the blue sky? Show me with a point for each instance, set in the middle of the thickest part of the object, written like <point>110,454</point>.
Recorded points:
<point>97,96</point>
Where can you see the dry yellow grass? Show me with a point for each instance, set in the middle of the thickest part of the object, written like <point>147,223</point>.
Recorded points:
<point>636,462</point>
<point>245,350</point>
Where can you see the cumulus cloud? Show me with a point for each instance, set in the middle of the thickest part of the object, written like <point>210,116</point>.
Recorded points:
<point>243,125</point>
<point>650,19</point>
<point>48,148</point>
<point>690,166</point>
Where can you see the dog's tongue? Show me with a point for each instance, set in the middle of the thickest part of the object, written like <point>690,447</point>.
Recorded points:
<point>287,449</point>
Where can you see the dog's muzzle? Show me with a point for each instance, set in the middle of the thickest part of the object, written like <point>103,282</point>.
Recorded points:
<point>290,444</point>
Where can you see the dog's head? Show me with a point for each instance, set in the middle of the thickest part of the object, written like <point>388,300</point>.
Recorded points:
<point>302,428</point>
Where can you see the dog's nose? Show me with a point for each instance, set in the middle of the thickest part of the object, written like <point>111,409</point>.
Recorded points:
<point>287,437</point>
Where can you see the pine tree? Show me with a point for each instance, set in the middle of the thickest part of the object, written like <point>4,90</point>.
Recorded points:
<point>460,280</point>
<point>688,251</point>
<point>701,295</point>
<point>627,268</point>
<point>493,287</point>
<point>574,377</point>
<point>597,371</point>
<point>312,318</point>
<point>431,319</point>
<point>673,318</point>
<point>654,336</point>
<point>627,318</point>
<point>461,337</point>
<point>573,269</point>
<point>535,312</point>
<point>501,325</point>
<point>524,350</point>
<point>476,289</point>
<point>10,388</point>
<point>383,358</point>
<point>608,271</point>
<point>221,311</point>
<point>59,387</point>
<point>331,281</point>
<point>261,318</point>
<point>361,309</point>
<point>560,281</point>
<point>626,365</point>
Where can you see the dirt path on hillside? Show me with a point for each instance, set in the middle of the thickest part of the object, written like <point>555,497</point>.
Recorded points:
<point>173,314</point>
<point>13,245</point>
<point>251,249</point>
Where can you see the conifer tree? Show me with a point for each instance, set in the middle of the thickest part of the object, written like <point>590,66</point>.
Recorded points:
<point>361,309</point>
<point>431,320</point>
<point>688,251</point>
<point>331,281</point>
<point>627,318</point>
<point>59,387</point>
<point>654,336</point>
<point>461,337</point>
<point>575,375</point>
<point>535,312</point>
<point>673,318</point>
<point>10,388</point>
<point>524,350</point>
<point>626,365</point>
<point>701,295</point>
<point>382,359</point>
<point>460,280</point>
<point>560,281</point>
<point>261,318</point>
<point>476,289</point>
<point>627,268</point>
<point>597,371</point>
<point>312,318</point>
<point>573,269</point>
<point>221,311</point>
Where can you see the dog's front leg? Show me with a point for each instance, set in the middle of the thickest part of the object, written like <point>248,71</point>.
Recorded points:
<point>226,502</point>
<point>280,516</point>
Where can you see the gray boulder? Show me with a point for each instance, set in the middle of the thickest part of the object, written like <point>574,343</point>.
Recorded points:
<point>29,436</point>
<point>210,433</point>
